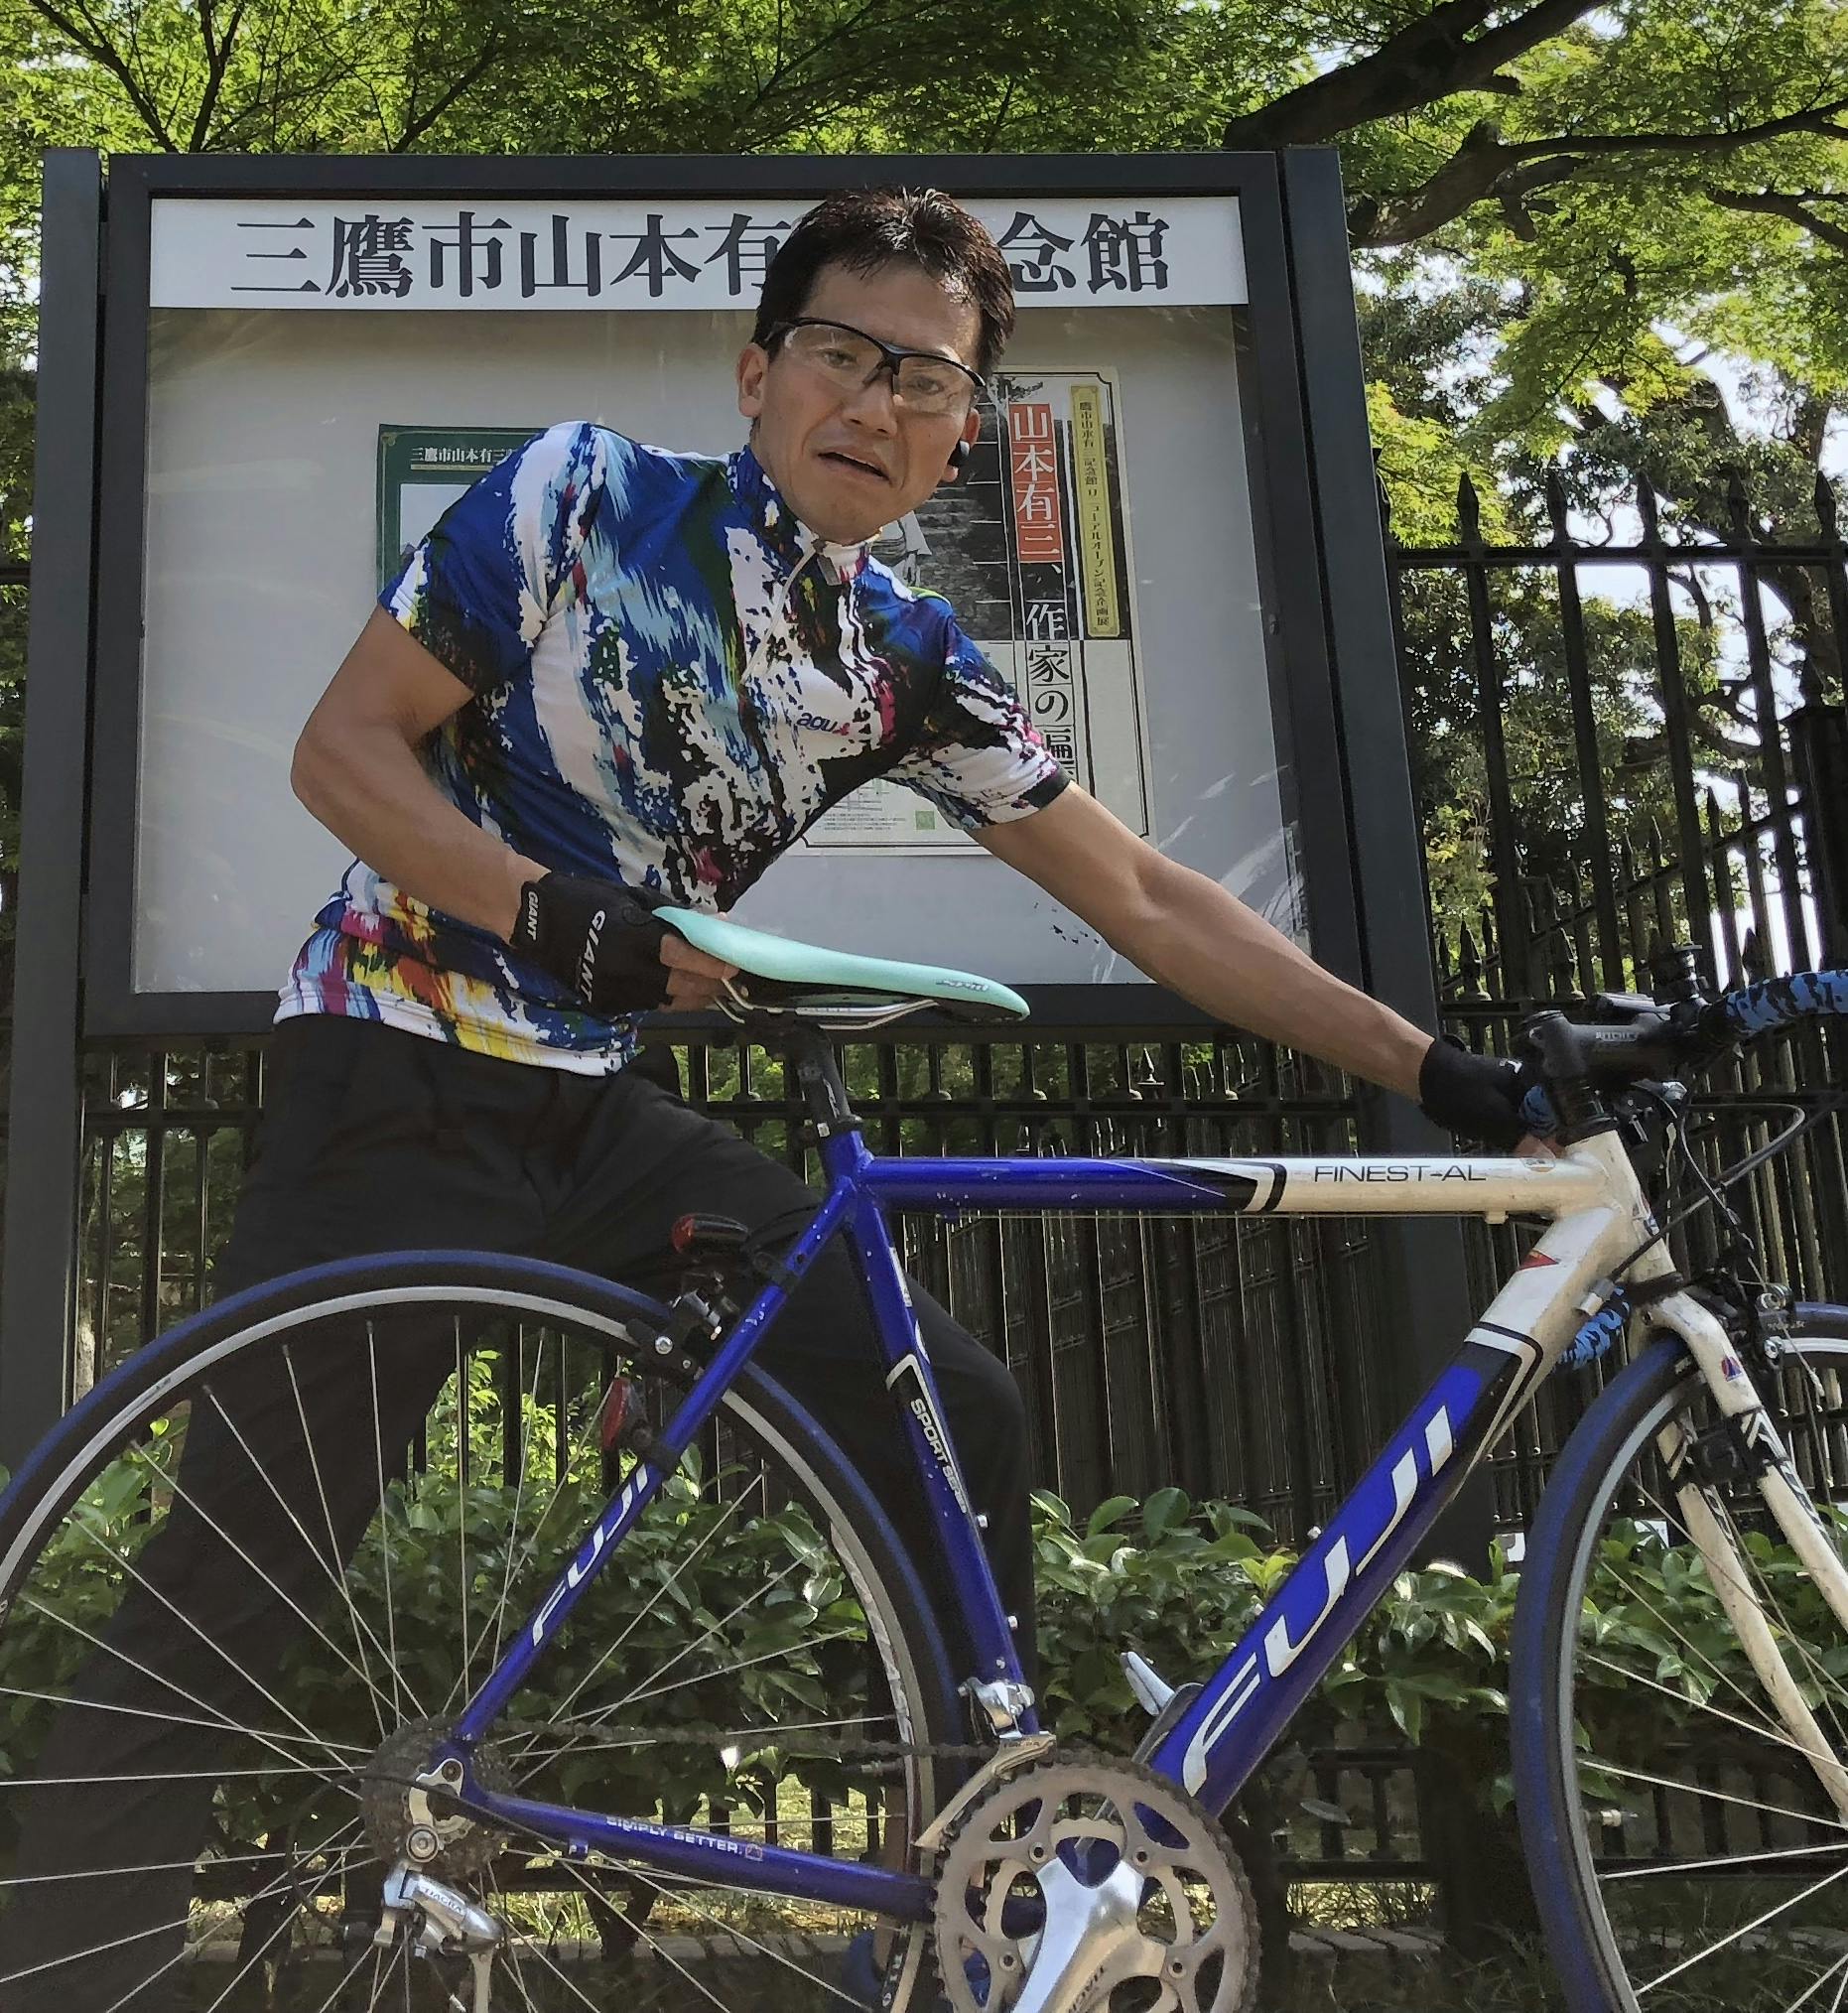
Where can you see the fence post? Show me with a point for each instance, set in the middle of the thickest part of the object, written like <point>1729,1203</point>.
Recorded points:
<point>1421,1261</point>
<point>1819,755</point>
<point>38,1297</point>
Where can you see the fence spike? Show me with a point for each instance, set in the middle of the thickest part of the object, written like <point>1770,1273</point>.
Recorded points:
<point>1648,511</point>
<point>1751,955</point>
<point>1556,508</point>
<point>1469,965</point>
<point>1469,509</point>
<point>1739,506</point>
<point>1826,505</point>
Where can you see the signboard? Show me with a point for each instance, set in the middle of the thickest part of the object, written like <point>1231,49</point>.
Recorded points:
<point>319,371</point>
<point>593,257</point>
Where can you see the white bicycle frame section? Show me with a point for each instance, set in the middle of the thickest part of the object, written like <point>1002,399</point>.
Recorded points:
<point>1597,1218</point>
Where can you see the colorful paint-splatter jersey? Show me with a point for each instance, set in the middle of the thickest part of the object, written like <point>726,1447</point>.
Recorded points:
<point>672,679</point>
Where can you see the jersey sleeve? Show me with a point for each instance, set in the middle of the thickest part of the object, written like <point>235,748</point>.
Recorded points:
<point>975,755</point>
<point>479,588</point>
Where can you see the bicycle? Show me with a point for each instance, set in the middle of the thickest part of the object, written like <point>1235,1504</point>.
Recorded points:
<point>391,1752</point>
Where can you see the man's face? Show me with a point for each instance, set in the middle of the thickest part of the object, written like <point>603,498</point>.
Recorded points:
<point>847,461</point>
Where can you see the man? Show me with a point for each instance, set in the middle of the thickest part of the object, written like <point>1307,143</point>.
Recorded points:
<point>614,675</point>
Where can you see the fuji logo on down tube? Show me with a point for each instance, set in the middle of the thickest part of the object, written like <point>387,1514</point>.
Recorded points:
<point>1291,1633</point>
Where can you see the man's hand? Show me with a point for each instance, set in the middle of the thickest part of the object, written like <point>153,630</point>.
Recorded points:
<point>604,941</point>
<point>1483,1097</point>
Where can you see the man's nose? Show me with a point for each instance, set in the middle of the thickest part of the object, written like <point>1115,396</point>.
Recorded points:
<point>876,403</point>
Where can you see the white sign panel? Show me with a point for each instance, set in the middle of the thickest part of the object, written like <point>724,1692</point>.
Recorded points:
<point>381,255</point>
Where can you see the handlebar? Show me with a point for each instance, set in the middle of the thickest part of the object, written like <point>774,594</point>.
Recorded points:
<point>1636,1039</point>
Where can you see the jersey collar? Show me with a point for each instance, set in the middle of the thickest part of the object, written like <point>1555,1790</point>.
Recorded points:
<point>782,532</point>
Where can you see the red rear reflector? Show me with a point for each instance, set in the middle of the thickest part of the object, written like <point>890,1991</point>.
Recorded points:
<point>685,1230</point>
<point>615,1410</point>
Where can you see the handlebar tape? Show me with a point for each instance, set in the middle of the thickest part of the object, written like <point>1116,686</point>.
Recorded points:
<point>1776,1003</point>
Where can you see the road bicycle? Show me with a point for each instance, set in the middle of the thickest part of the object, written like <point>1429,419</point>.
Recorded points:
<point>626,1694</point>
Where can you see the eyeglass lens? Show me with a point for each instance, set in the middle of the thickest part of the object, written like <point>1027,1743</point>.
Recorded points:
<point>927,384</point>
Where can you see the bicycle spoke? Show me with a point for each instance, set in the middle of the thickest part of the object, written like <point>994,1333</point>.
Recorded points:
<point>334,1747</point>
<point>531,1402</point>
<point>744,1935</point>
<point>398,1679</point>
<point>365,1675</point>
<point>1744,1930</point>
<point>461,1686</point>
<point>221,1720</point>
<point>1725,1863</point>
<point>635,1696</point>
<point>1821,1985</point>
<point>1829,1819</point>
<point>333,1544</point>
<point>672,1580</point>
<point>727,1669</point>
<point>353,1969</point>
<point>159,1865</point>
<point>654,1942</point>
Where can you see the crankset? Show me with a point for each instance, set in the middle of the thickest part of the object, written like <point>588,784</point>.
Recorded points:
<point>1084,1885</point>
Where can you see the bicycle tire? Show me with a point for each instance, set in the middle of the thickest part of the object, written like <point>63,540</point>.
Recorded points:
<point>846,1599</point>
<point>1650,1893</point>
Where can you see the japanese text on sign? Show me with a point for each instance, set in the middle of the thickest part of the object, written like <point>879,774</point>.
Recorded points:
<point>1039,522</point>
<point>379,254</point>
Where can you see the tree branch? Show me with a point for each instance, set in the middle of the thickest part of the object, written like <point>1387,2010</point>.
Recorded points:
<point>1795,208</point>
<point>416,128</point>
<point>1485,165</point>
<point>101,52</point>
<point>1430,58</point>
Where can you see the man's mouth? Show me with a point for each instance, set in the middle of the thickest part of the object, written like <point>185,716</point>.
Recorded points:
<point>843,459</point>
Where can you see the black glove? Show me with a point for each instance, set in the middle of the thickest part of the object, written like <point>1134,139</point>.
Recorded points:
<point>1482,1097</point>
<point>599,937</point>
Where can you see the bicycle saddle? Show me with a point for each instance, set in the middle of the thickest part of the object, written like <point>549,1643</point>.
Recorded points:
<point>779,975</point>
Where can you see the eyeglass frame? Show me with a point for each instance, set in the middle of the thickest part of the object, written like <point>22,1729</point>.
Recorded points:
<point>891,355</point>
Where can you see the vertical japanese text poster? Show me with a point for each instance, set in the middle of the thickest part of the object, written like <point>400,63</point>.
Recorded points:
<point>1031,549</point>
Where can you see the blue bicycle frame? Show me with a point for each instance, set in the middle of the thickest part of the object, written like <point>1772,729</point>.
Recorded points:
<point>1214,1745</point>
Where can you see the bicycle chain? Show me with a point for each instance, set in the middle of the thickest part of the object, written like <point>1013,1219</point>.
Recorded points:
<point>831,1746</point>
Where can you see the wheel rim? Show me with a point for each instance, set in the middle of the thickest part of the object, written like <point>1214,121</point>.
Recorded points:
<point>1713,1864</point>
<point>358,1565</point>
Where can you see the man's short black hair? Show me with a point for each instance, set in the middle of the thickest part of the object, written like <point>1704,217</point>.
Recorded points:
<point>867,230</point>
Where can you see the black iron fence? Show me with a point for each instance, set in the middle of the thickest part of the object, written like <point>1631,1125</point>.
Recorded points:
<point>1638,744</point>
<point>1237,1358</point>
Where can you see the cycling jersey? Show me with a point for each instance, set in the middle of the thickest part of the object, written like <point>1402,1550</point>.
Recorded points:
<point>672,679</point>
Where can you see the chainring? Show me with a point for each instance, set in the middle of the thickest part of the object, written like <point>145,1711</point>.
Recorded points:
<point>1087,1885</point>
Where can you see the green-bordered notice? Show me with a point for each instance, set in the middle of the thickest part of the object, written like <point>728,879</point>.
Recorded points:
<point>421,473</point>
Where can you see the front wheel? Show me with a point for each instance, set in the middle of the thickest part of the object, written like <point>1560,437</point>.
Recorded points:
<point>1684,1854</point>
<point>253,1576</point>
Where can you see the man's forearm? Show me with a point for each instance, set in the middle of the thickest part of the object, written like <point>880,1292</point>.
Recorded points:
<point>374,795</point>
<point>1208,946</point>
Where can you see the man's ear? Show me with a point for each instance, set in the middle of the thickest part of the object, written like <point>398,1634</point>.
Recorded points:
<point>753,365</point>
<point>959,454</point>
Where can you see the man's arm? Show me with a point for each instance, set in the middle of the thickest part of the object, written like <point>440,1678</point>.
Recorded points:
<point>357,768</point>
<point>1187,933</point>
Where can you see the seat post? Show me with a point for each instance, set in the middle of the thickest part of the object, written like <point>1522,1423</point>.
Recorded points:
<point>824,1091</point>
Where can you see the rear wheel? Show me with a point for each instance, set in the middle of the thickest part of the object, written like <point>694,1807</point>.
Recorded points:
<point>1684,1851</point>
<point>252,1578</point>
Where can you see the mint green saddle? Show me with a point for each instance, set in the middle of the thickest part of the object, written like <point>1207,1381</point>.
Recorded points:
<point>776,974</point>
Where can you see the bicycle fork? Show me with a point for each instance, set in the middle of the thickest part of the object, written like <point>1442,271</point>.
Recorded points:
<point>1704,1517</point>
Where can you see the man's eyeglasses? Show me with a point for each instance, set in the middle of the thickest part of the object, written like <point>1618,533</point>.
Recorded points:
<point>923,383</point>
